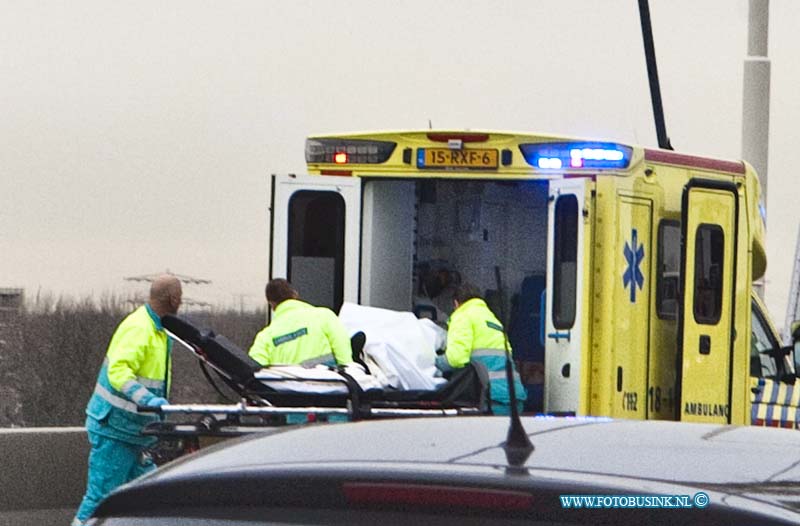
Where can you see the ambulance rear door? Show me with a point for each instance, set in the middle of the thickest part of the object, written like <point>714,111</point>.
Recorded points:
<point>706,331</point>
<point>314,236</point>
<point>565,252</point>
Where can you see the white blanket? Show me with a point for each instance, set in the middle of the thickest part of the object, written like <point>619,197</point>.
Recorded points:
<point>400,349</point>
<point>317,380</point>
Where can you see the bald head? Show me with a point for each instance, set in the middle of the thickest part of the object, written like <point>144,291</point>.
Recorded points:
<point>165,294</point>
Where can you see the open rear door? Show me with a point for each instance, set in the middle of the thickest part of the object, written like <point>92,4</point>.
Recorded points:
<point>706,335</point>
<point>564,295</point>
<point>314,236</point>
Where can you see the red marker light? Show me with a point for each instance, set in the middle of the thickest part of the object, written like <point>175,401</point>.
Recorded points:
<point>463,137</point>
<point>340,158</point>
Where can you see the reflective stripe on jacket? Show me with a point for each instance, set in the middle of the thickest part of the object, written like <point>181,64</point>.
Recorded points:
<point>302,334</point>
<point>136,369</point>
<point>475,333</point>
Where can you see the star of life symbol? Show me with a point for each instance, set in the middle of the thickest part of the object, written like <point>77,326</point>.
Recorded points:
<point>634,254</point>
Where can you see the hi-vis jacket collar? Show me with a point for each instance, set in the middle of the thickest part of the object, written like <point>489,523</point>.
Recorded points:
<point>287,305</point>
<point>464,307</point>
<point>473,301</point>
<point>154,317</point>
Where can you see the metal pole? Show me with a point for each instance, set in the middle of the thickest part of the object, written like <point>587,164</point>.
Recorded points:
<point>755,101</point>
<point>652,75</point>
<point>794,291</point>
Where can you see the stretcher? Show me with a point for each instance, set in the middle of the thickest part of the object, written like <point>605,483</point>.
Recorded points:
<point>275,396</point>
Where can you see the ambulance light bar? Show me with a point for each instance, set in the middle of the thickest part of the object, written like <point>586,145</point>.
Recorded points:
<point>348,151</point>
<point>557,155</point>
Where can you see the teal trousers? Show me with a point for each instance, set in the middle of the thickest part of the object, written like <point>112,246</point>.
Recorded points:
<point>112,463</point>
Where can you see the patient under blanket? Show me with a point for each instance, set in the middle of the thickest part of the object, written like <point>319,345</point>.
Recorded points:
<point>400,349</point>
<point>319,380</point>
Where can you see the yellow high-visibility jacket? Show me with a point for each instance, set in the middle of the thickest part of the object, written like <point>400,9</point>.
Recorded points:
<point>302,334</point>
<point>136,369</point>
<point>475,334</point>
<point>472,326</point>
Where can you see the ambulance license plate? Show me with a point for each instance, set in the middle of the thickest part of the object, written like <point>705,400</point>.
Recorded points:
<point>447,159</point>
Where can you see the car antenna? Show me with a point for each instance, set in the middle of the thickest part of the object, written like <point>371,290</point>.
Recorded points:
<point>518,446</point>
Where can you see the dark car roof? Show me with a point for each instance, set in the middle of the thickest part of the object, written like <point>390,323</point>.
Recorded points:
<point>707,453</point>
<point>760,467</point>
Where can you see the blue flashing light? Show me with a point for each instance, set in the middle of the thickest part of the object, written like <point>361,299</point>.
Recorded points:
<point>558,155</point>
<point>549,162</point>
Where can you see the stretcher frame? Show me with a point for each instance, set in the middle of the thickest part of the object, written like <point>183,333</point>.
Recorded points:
<point>261,408</point>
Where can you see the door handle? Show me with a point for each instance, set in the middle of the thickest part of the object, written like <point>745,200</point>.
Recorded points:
<point>558,336</point>
<point>705,344</point>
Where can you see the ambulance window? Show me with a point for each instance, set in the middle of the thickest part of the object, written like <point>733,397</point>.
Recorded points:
<point>565,259</point>
<point>708,263</point>
<point>669,268</point>
<point>316,247</point>
<point>761,343</point>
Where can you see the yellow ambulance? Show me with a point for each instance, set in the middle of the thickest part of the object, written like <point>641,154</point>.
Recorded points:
<point>625,273</point>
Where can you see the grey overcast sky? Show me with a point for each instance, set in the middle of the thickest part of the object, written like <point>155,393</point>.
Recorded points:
<point>139,136</point>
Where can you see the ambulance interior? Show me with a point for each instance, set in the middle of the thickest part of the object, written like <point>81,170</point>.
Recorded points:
<point>420,238</point>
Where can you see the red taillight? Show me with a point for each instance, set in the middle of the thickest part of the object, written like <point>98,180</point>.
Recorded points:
<point>351,151</point>
<point>463,137</point>
<point>396,494</point>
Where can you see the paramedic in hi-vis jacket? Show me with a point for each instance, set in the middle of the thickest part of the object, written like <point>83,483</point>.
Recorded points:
<point>300,334</point>
<point>475,334</point>
<point>136,371</point>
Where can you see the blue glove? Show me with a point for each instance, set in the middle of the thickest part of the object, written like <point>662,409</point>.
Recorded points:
<point>157,401</point>
<point>442,364</point>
